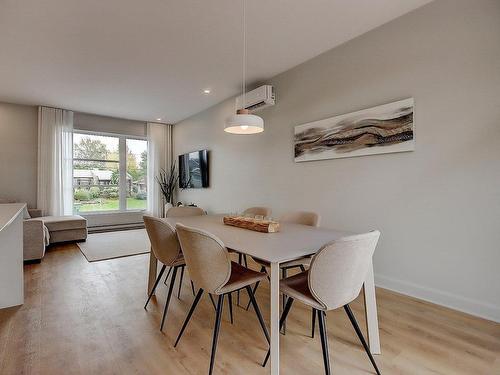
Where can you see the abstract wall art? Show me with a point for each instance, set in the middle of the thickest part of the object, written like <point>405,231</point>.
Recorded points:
<point>378,130</point>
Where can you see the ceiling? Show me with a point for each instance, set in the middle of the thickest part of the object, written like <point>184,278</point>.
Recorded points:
<point>152,59</point>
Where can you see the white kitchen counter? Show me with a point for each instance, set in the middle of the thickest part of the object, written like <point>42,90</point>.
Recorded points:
<point>11,254</point>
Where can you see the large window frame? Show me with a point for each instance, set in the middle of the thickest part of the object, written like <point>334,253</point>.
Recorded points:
<point>122,168</point>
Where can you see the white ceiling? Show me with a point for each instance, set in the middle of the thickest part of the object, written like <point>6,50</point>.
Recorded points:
<point>152,58</point>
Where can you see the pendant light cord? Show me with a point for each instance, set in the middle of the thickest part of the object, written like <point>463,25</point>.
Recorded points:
<point>244,52</point>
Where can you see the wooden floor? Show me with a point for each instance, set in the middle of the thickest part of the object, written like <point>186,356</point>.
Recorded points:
<point>88,318</point>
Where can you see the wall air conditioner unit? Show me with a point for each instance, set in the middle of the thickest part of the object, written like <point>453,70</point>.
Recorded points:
<point>259,98</point>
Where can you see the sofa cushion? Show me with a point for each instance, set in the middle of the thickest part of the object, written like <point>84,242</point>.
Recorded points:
<point>57,223</point>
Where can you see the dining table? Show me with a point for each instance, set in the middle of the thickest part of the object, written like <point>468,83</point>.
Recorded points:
<point>291,242</point>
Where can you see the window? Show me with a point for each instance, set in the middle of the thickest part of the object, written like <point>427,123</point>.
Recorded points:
<point>109,173</point>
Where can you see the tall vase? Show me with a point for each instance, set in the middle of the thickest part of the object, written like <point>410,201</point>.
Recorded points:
<point>167,207</point>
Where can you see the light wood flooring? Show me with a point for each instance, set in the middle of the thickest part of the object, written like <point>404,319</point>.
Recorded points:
<point>88,318</point>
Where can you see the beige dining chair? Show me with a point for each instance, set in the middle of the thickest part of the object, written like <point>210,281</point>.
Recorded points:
<point>242,258</point>
<point>183,211</point>
<point>308,218</point>
<point>258,211</point>
<point>167,250</point>
<point>311,219</point>
<point>334,280</point>
<point>212,270</point>
<point>254,211</point>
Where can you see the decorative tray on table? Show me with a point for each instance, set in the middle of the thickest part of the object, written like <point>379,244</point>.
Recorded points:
<point>264,226</point>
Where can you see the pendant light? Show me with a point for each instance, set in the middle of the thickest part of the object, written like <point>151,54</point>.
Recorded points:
<point>243,122</point>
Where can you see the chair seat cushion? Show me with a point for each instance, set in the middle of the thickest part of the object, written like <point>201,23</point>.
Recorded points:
<point>240,278</point>
<point>57,223</point>
<point>297,287</point>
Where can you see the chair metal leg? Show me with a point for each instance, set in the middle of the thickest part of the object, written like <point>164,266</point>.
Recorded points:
<point>154,286</point>
<point>180,282</point>
<point>240,262</point>
<point>188,317</point>
<point>262,269</point>
<point>313,322</point>
<point>288,306</point>
<point>283,276</point>
<point>354,323</point>
<point>259,314</point>
<point>170,288</point>
<point>218,316</point>
<point>302,268</point>
<point>230,301</point>
<point>324,341</point>
<point>245,260</point>
<point>212,300</point>
<point>168,274</point>
<point>253,292</point>
<point>192,288</point>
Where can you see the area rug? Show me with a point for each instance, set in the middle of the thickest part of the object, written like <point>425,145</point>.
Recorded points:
<point>109,245</point>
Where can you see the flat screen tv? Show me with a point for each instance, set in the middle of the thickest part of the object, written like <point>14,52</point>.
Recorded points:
<point>193,170</point>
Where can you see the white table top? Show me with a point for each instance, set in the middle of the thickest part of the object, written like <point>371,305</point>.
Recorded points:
<point>8,212</point>
<point>293,241</point>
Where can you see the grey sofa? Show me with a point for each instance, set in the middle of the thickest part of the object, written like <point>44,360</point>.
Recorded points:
<point>40,231</point>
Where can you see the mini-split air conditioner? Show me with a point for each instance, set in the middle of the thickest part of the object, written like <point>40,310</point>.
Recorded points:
<point>259,98</point>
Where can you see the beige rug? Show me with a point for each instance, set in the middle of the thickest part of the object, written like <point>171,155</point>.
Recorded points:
<point>109,245</point>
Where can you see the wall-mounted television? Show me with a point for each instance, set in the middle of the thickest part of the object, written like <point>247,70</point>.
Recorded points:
<point>193,170</point>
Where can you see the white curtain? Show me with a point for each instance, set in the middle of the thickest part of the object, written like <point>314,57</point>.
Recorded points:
<point>55,161</point>
<point>159,157</point>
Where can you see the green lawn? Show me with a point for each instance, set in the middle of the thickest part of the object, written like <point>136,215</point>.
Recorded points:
<point>110,205</point>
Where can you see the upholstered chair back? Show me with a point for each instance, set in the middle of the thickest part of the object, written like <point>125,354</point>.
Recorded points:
<point>207,258</point>
<point>184,211</point>
<point>301,217</point>
<point>264,211</point>
<point>338,270</point>
<point>163,238</point>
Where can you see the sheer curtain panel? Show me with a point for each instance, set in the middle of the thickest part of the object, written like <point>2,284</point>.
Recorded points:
<point>55,161</point>
<point>159,157</point>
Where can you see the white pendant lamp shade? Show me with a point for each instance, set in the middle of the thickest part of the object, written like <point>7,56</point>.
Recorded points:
<point>244,123</point>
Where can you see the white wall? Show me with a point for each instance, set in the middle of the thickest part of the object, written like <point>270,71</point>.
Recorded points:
<point>18,152</point>
<point>438,207</point>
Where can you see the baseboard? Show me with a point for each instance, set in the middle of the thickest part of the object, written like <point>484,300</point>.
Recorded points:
<point>453,301</point>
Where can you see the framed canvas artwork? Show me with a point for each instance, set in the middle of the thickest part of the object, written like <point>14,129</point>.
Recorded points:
<point>378,130</point>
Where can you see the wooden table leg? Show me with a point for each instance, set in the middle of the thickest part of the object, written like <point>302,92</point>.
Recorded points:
<point>153,270</point>
<point>275,318</point>
<point>371,312</point>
